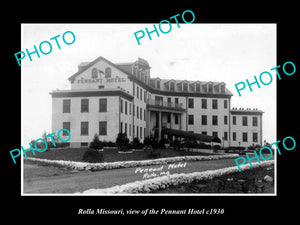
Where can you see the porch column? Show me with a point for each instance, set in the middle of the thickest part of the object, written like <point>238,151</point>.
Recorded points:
<point>147,123</point>
<point>171,116</point>
<point>159,126</point>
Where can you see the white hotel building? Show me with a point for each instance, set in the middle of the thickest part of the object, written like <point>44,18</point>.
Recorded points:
<point>107,98</point>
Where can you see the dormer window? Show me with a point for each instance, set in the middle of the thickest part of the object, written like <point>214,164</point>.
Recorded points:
<point>158,84</point>
<point>197,87</point>
<point>185,87</point>
<point>94,73</point>
<point>222,88</point>
<point>210,88</point>
<point>107,72</point>
<point>172,87</point>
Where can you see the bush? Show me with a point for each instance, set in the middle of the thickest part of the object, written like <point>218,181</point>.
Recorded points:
<point>136,144</point>
<point>96,143</point>
<point>122,141</point>
<point>92,156</point>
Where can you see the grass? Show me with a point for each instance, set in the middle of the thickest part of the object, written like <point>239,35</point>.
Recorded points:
<point>110,155</point>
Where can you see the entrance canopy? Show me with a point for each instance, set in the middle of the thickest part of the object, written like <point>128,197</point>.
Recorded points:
<point>185,134</point>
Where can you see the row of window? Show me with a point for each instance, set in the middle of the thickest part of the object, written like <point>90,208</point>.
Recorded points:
<point>84,128</point>
<point>245,121</point>
<point>215,120</point>
<point>95,72</point>
<point>234,136</point>
<point>84,105</point>
<point>136,131</point>
<point>204,103</point>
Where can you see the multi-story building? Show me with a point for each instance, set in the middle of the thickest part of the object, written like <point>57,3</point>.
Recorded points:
<point>107,98</point>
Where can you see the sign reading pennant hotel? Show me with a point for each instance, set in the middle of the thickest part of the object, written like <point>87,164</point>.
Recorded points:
<point>100,80</point>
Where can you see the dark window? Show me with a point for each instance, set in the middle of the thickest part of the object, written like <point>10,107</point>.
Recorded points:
<point>107,72</point>
<point>84,130</point>
<point>234,120</point>
<point>191,103</point>
<point>66,125</point>
<point>137,92</point>
<point>129,108</point>
<point>245,137</point>
<point>225,120</point>
<point>225,136</point>
<point>254,121</point>
<point>121,105</point>
<point>225,104</point>
<point>84,144</point>
<point>84,105</point>
<point>210,88</point>
<point>191,119</point>
<point>204,132</point>
<point>145,96</point>
<point>137,112</point>
<point>197,87</point>
<point>176,100</point>
<point>214,120</point>
<point>215,134</point>
<point>141,132</point>
<point>129,130</point>
<point>245,121</point>
<point>102,105</point>
<point>101,86</point>
<point>234,136</point>
<point>158,84</point>
<point>255,139</point>
<point>176,119</point>
<point>102,128</point>
<point>141,94</point>
<point>172,86</point>
<point>121,127</point>
<point>185,87</point>
<point>141,113</point>
<point>125,107</point>
<point>137,131</point>
<point>204,103</point>
<point>204,120</point>
<point>215,103</point>
<point>94,73</point>
<point>223,88</point>
<point>66,105</point>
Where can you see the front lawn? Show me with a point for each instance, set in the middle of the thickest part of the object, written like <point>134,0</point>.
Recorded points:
<point>110,155</point>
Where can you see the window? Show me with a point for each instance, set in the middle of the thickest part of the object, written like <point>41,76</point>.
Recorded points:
<point>169,118</point>
<point>245,137</point>
<point>94,73</point>
<point>102,128</point>
<point>129,130</point>
<point>137,112</point>
<point>197,87</point>
<point>145,96</point>
<point>204,120</point>
<point>204,132</point>
<point>102,105</point>
<point>84,105</point>
<point>210,88</point>
<point>204,103</point>
<point>125,107</point>
<point>121,127</point>
<point>254,137</point>
<point>215,134</point>
<point>137,92</point>
<point>121,105</point>
<point>84,128</point>
<point>133,110</point>
<point>145,114</point>
<point>214,120</point>
<point>185,87</point>
<point>215,103</point>
<point>191,119</point>
<point>137,131</point>
<point>234,136</point>
<point>84,144</point>
<point>191,103</point>
<point>141,132</point>
<point>254,121</point>
<point>222,88</point>
<point>225,136</point>
<point>129,108</point>
<point>101,87</point>
<point>172,86</point>
<point>141,113</point>
<point>66,105</point>
<point>158,84</point>
<point>66,125</point>
<point>141,94</point>
<point>245,121</point>
<point>176,119</point>
<point>176,101</point>
<point>107,72</point>
<point>225,104</point>
<point>225,120</point>
<point>234,120</point>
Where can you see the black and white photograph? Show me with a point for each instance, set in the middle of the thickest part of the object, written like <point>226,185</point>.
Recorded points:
<point>127,111</point>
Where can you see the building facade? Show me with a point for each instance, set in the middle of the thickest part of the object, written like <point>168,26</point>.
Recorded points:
<point>107,98</point>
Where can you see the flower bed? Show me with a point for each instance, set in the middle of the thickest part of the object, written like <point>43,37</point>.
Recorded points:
<point>126,164</point>
<point>159,183</point>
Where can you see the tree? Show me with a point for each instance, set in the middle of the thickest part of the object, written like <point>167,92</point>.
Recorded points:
<point>122,141</point>
<point>96,143</point>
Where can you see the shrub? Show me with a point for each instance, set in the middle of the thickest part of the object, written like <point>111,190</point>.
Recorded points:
<point>96,143</point>
<point>122,141</point>
<point>92,156</point>
<point>136,144</point>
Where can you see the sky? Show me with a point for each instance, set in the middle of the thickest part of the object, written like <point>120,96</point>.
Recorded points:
<point>228,53</point>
